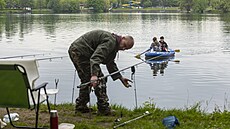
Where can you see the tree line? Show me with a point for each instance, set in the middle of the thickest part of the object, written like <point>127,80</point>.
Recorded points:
<point>70,6</point>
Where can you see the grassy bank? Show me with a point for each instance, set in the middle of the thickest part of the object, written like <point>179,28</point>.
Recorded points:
<point>117,10</point>
<point>148,10</point>
<point>155,8</point>
<point>18,11</point>
<point>4,11</point>
<point>189,118</point>
<point>42,11</point>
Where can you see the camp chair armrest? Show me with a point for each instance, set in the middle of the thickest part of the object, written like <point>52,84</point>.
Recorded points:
<point>43,85</point>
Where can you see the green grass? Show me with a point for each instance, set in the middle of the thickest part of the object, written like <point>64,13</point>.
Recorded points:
<point>190,118</point>
<point>34,11</point>
<point>11,11</point>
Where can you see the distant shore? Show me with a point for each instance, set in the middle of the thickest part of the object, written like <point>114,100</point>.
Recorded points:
<point>117,10</point>
<point>114,10</point>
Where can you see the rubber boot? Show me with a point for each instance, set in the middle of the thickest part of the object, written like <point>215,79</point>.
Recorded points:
<point>82,100</point>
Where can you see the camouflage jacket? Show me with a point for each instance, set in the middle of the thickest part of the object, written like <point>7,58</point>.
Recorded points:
<point>99,47</point>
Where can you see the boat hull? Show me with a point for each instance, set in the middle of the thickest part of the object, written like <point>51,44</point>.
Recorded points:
<point>159,55</point>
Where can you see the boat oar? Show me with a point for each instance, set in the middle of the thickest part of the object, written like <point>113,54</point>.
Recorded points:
<point>176,61</point>
<point>138,56</point>
<point>177,50</point>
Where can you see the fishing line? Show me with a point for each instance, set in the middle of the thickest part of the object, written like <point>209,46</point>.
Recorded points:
<point>87,83</point>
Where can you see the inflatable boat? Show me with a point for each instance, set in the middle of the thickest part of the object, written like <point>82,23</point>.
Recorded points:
<point>159,55</point>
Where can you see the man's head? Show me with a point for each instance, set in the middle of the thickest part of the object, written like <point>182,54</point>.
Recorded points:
<point>126,43</point>
<point>162,38</point>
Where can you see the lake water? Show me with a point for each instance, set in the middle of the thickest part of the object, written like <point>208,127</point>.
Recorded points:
<point>201,76</point>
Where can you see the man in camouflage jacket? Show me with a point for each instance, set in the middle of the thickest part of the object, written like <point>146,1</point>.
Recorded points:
<point>87,53</point>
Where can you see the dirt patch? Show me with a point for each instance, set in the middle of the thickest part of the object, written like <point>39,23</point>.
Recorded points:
<point>65,115</point>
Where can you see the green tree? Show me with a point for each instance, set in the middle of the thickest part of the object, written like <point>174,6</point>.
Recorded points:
<point>173,3</point>
<point>107,4</point>
<point>12,3</point>
<point>54,5</point>
<point>200,6</point>
<point>25,3</point>
<point>214,4</point>
<point>114,3</point>
<point>74,5</point>
<point>186,4</point>
<point>2,4</point>
<point>69,6</point>
<point>40,4</point>
<point>146,3</point>
<point>82,1</point>
<point>64,5</point>
<point>163,3</point>
<point>224,6</point>
<point>96,5</point>
<point>155,3</point>
<point>124,1</point>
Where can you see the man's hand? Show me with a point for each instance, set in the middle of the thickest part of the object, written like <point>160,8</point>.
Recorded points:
<point>125,82</point>
<point>94,81</point>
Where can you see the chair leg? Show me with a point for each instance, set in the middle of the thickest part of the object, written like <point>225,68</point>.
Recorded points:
<point>8,112</point>
<point>37,114</point>
<point>47,100</point>
<point>37,109</point>
<point>22,127</point>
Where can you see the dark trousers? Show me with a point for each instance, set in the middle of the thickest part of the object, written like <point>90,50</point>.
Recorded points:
<point>82,65</point>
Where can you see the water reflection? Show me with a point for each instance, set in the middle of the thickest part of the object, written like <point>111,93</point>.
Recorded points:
<point>204,42</point>
<point>226,29</point>
<point>22,23</point>
<point>158,66</point>
<point>226,19</point>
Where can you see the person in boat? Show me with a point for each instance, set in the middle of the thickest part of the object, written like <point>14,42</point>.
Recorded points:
<point>163,44</point>
<point>155,45</point>
<point>87,53</point>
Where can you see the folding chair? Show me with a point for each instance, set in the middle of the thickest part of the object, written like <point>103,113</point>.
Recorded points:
<point>17,89</point>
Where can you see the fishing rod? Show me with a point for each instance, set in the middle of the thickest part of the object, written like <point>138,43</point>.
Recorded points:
<point>55,96</point>
<point>50,58</point>
<point>126,122</point>
<point>87,83</point>
<point>134,83</point>
<point>74,80</point>
<point>21,56</point>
